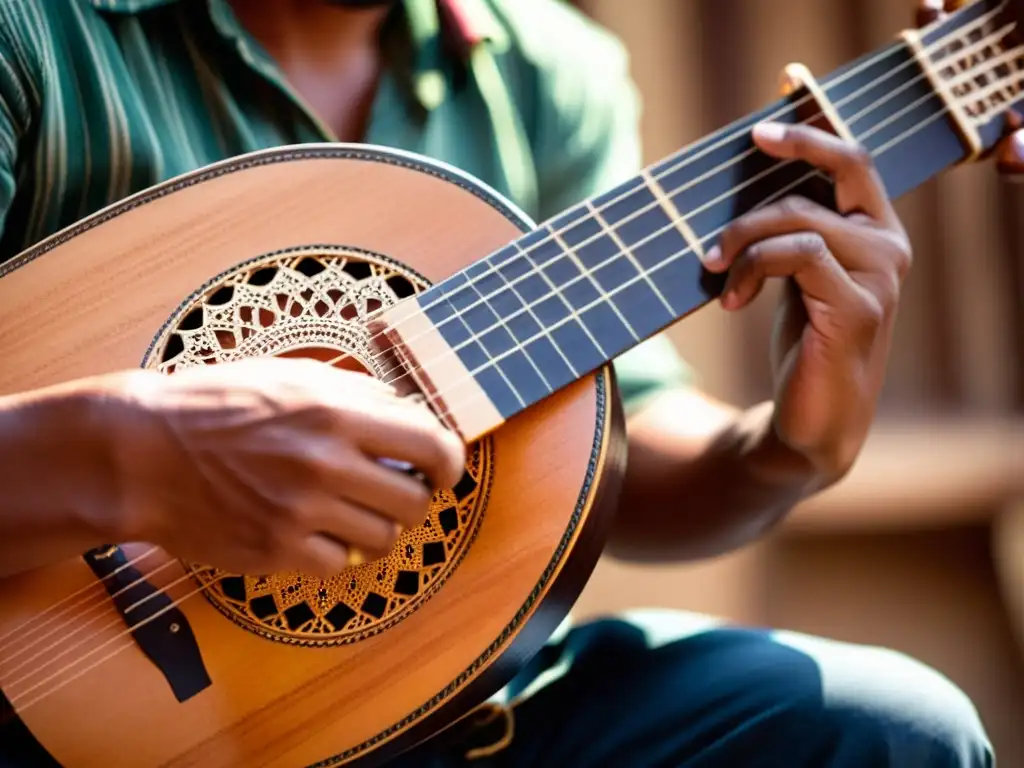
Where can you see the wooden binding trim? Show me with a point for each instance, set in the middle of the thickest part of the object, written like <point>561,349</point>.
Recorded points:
<point>796,76</point>
<point>964,126</point>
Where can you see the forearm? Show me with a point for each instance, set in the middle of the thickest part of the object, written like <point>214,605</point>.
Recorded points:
<point>697,492</point>
<point>51,462</point>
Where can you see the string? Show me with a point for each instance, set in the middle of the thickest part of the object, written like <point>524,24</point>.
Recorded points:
<point>174,604</point>
<point>644,274</point>
<point>888,145</point>
<point>91,586</point>
<point>726,138</point>
<point>493,361</point>
<point>79,625</point>
<point>116,621</point>
<point>978,22</point>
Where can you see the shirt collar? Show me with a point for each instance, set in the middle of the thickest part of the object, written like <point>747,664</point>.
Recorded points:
<point>472,21</point>
<point>435,26</point>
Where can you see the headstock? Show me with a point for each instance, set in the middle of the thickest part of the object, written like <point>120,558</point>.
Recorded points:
<point>973,53</point>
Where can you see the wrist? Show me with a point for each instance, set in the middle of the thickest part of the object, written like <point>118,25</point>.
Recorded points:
<point>134,443</point>
<point>57,460</point>
<point>771,461</point>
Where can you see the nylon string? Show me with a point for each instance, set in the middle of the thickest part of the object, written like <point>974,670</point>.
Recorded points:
<point>18,699</point>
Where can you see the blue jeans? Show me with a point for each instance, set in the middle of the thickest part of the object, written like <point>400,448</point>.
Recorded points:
<point>661,688</point>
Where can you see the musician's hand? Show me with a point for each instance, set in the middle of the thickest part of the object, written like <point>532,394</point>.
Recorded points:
<point>1010,152</point>
<point>833,327</point>
<point>272,464</point>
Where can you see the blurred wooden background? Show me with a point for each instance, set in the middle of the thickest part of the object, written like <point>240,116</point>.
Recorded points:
<point>923,550</point>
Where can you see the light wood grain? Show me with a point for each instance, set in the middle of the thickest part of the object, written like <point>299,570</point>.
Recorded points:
<point>93,305</point>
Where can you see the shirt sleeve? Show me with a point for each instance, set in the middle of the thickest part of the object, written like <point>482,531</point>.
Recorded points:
<point>586,141</point>
<point>16,99</point>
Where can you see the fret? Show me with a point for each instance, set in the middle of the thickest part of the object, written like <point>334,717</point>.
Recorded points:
<point>586,252</point>
<point>620,314</point>
<point>485,343</point>
<point>673,213</point>
<point>564,288</point>
<point>500,327</point>
<point>627,252</point>
<point>654,242</point>
<point>497,279</point>
<point>716,182</point>
<point>889,99</point>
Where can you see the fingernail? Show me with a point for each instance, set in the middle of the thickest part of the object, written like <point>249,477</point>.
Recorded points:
<point>713,257</point>
<point>771,132</point>
<point>729,300</point>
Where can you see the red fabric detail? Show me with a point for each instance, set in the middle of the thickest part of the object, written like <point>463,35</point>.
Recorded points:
<point>458,28</point>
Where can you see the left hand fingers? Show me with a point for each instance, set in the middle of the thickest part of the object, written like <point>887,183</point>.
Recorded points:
<point>858,243</point>
<point>858,185</point>
<point>804,256</point>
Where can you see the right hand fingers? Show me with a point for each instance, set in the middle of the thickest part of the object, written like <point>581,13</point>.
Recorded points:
<point>321,556</point>
<point>409,432</point>
<point>384,425</point>
<point>351,524</point>
<point>391,492</point>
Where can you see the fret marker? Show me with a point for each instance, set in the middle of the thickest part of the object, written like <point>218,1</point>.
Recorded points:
<point>674,215</point>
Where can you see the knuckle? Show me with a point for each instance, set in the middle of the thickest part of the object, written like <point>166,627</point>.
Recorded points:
<point>753,255</point>
<point>389,537</point>
<point>903,257</point>
<point>296,515</point>
<point>889,297</point>
<point>416,496</point>
<point>445,459</point>
<point>872,313</point>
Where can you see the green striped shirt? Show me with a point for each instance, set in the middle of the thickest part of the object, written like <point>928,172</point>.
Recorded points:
<point>102,98</point>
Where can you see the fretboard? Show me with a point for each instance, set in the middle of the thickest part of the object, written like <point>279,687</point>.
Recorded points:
<point>589,284</point>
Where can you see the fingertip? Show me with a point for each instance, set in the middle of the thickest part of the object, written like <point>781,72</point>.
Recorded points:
<point>328,556</point>
<point>770,136</point>
<point>713,260</point>
<point>457,457</point>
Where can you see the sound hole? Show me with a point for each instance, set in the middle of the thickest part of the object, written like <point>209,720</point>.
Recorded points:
<point>315,302</point>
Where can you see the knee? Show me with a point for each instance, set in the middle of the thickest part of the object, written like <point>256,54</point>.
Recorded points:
<point>902,712</point>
